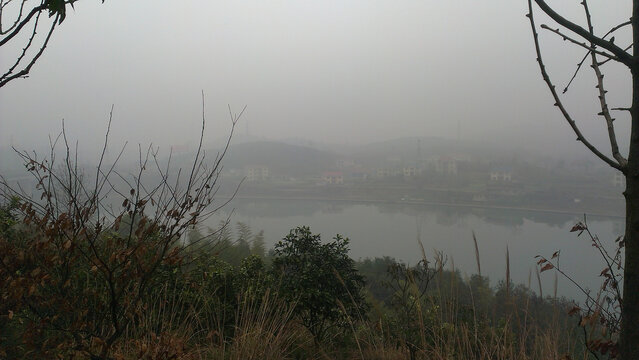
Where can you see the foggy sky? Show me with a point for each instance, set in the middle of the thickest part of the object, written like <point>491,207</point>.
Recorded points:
<point>341,71</point>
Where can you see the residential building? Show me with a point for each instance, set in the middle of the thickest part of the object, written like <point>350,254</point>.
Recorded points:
<point>501,174</point>
<point>256,173</point>
<point>333,177</point>
<point>446,165</point>
<point>410,171</point>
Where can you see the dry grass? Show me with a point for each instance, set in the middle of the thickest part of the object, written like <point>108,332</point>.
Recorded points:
<point>264,328</point>
<point>176,328</point>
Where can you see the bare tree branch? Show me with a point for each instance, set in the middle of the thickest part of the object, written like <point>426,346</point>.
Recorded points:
<point>4,80</point>
<point>605,61</point>
<point>21,17</point>
<point>622,55</point>
<point>602,96</point>
<point>22,24</point>
<point>574,75</point>
<point>590,48</point>
<point>17,19</point>
<point>558,103</point>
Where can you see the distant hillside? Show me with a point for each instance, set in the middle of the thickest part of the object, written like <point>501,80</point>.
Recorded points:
<point>407,148</point>
<point>292,160</point>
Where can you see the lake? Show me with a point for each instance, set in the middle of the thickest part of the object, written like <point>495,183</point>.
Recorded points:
<point>378,229</point>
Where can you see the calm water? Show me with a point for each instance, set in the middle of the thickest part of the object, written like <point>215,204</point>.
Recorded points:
<point>392,230</point>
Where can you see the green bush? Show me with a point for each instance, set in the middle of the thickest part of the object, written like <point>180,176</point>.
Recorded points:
<point>321,279</point>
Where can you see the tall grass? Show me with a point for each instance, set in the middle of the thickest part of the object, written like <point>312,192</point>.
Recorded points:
<point>446,336</point>
<point>176,326</point>
<point>179,324</point>
<point>263,330</point>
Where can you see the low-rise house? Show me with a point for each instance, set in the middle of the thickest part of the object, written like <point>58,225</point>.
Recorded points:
<point>501,174</point>
<point>359,175</point>
<point>446,165</point>
<point>410,171</point>
<point>386,172</point>
<point>256,173</point>
<point>479,197</point>
<point>333,177</point>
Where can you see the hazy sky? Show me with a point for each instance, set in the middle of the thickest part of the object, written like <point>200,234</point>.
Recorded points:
<point>348,71</point>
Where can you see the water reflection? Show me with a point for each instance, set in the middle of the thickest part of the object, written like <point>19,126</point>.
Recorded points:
<point>447,215</point>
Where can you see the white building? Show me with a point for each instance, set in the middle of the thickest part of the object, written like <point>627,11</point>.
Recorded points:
<point>333,177</point>
<point>256,173</point>
<point>501,174</point>
<point>618,180</point>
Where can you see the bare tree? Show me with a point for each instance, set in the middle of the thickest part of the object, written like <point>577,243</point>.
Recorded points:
<point>20,21</point>
<point>600,49</point>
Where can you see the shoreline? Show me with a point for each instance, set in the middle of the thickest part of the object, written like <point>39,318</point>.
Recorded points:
<point>424,202</point>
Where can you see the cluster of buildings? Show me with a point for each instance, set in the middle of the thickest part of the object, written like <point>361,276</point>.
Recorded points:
<point>450,177</point>
<point>347,171</point>
<point>465,179</point>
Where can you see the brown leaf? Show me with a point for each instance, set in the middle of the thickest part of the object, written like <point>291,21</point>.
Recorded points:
<point>116,224</point>
<point>574,310</point>
<point>10,314</point>
<point>578,227</point>
<point>547,267</point>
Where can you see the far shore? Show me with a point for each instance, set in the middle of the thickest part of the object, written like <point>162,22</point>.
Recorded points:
<point>424,202</point>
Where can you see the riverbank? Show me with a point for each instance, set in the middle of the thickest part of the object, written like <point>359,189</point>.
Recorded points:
<point>418,202</point>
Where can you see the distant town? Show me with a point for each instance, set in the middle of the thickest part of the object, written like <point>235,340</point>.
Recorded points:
<point>471,177</point>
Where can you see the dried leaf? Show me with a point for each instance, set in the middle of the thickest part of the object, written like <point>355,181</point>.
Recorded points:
<point>574,310</point>
<point>578,227</point>
<point>547,267</point>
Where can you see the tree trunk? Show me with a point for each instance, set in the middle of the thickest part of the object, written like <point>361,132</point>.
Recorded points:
<point>630,313</point>
<point>629,341</point>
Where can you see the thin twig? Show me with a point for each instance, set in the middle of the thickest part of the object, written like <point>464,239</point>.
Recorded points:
<point>590,48</point>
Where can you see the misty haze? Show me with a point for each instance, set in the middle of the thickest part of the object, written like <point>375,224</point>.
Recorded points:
<point>318,179</point>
